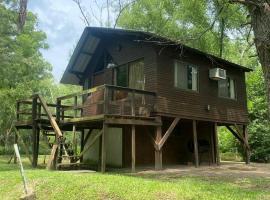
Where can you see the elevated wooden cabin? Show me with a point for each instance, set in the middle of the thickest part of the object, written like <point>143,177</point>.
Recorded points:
<point>147,101</point>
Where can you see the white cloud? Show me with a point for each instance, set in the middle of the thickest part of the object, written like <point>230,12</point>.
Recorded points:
<point>60,20</point>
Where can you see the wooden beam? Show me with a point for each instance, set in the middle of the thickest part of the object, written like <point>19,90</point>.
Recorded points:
<point>103,148</point>
<point>133,148</point>
<point>216,144</point>
<point>51,163</point>
<point>235,134</point>
<point>34,133</point>
<point>247,148</point>
<point>212,147</point>
<point>168,132</point>
<point>195,142</point>
<point>87,136</point>
<point>91,143</point>
<point>51,118</point>
<point>158,152</point>
<point>82,144</point>
<point>245,143</point>
<point>132,121</point>
<point>152,140</point>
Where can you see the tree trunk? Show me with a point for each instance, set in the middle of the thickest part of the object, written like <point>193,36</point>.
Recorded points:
<point>260,22</point>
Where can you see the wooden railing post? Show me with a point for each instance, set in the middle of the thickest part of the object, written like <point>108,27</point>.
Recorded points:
<point>133,112</point>
<point>18,110</point>
<point>34,132</point>
<point>106,100</point>
<point>58,109</point>
<point>75,106</point>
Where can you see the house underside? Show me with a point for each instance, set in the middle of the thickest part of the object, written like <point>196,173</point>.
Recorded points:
<point>121,133</point>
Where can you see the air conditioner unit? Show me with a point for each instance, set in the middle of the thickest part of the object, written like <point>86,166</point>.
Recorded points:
<point>217,74</point>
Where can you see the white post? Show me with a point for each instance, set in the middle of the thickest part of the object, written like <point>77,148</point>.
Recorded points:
<point>21,167</point>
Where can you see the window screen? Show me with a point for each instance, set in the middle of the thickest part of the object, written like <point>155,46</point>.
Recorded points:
<point>226,88</point>
<point>185,76</point>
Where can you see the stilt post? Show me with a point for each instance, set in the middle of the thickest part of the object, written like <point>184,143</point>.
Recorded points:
<point>103,148</point>
<point>82,144</point>
<point>245,134</point>
<point>133,149</point>
<point>34,132</point>
<point>158,153</point>
<point>195,141</point>
<point>216,144</point>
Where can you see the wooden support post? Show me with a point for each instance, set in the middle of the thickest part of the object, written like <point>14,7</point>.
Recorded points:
<point>216,144</point>
<point>82,144</point>
<point>158,152</point>
<point>245,134</point>
<point>15,142</point>
<point>74,140</point>
<point>212,139</point>
<point>75,106</point>
<point>16,136</point>
<point>17,111</point>
<point>58,110</point>
<point>195,141</point>
<point>133,149</point>
<point>34,132</point>
<point>103,148</point>
<point>106,100</point>
<point>168,132</point>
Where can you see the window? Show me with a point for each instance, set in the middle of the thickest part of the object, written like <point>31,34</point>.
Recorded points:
<point>185,76</point>
<point>131,75</point>
<point>122,76</point>
<point>226,88</point>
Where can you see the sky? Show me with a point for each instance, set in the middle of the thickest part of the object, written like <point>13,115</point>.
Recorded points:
<point>60,20</point>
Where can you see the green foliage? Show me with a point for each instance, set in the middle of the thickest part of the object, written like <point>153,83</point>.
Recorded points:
<point>199,24</point>
<point>23,70</point>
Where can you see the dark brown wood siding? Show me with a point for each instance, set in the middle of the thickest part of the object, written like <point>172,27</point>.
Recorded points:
<point>192,104</point>
<point>124,51</point>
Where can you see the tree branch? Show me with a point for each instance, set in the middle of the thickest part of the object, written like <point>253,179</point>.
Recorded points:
<point>78,2</point>
<point>121,9</point>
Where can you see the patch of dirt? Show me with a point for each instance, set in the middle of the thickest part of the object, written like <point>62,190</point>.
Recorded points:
<point>226,171</point>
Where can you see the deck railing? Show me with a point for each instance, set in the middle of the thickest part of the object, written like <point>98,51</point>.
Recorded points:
<point>107,100</point>
<point>101,100</point>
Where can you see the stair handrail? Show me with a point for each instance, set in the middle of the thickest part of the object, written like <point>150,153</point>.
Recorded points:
<point>49,114</point>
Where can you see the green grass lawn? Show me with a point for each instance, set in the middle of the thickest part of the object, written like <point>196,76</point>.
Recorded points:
<point>69,185</point>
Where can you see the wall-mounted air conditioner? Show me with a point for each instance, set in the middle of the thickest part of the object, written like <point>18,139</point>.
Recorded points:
<point>217,74</point>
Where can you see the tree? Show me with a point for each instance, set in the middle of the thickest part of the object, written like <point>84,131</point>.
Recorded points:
<point>23,70</point>
<point>259,15</point>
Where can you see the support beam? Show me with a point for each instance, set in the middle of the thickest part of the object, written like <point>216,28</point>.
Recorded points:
<point>195,142</point>
<point>212,147</point>
<point>168,132</point>
<point>133,149</point>
<point>216,144</point>
<point>239,136</point>
<point>82,144</point>
<point>158,152</point>
<point>34,133</point>
<point>51,163</point>
<point>103,148</point>
<point>247,149</point>
<point>235,133</point>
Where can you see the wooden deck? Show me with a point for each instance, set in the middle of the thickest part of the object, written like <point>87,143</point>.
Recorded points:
<point>96,108</point>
